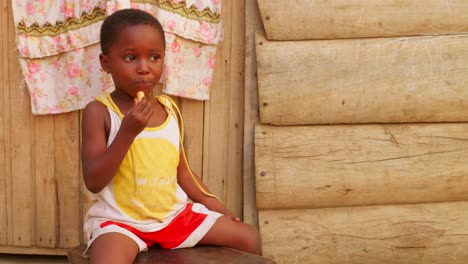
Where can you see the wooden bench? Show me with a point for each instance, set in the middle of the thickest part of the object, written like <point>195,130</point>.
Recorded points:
<point>202,255</point>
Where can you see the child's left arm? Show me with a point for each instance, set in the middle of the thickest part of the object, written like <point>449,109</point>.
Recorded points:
<point>187,183</point>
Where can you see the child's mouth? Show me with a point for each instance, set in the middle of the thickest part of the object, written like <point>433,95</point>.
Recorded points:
<point>144,83</point>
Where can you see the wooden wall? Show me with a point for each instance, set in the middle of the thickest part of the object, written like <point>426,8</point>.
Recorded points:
<point>251,117</point>
<point>322,19</point>
<point>378,80</point>
<point>42,199</point>
<point>360,156</point>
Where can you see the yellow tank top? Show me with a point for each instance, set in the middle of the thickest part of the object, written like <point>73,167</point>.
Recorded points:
<point>145,186</point>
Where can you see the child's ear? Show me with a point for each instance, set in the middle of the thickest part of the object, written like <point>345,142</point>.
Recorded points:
<point>104,63</point>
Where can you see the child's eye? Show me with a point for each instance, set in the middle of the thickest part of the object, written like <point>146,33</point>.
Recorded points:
<point>154,57</point>
<point>129,57</point>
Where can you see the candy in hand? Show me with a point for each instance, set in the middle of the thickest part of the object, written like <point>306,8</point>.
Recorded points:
<point>140,96</point>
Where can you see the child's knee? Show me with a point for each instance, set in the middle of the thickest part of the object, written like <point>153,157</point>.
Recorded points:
<point>252,240</point>
<point>256,241</point>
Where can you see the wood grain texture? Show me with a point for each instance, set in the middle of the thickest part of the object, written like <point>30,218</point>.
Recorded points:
<point>420,79</point>
<point>234,197</point>
<point>192,112</point>
<point>4,127</point>
<point>67,158</point>
<point>46,202</point>
<point>417,234</point>
<point>32,250</point>
<point>223,124</point>
<point>252,22</point>
<point>216,119</point>
<point>199,254</point>
<point>346,165</point>
<point>20,152</point>
<point>323,19</point>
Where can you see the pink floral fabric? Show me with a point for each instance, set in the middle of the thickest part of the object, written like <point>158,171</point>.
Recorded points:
<point>39,13</point>
<point>190,46</point>
<point>58,44</point>
<point>65,82</point>
<point>199,29</point>
<point>189,68</point>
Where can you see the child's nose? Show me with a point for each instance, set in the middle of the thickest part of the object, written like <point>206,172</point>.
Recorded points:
<point>143,67</point>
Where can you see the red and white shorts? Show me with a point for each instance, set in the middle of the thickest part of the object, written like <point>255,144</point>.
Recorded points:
<point>185,230</point>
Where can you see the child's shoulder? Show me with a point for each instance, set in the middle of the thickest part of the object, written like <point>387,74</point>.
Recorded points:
<point>94,107</point>
<point>94,114</point>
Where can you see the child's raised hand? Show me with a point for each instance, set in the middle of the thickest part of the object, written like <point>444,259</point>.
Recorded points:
<point>138,117</point>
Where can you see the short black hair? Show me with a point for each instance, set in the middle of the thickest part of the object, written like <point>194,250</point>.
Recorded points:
<point>115,23</point>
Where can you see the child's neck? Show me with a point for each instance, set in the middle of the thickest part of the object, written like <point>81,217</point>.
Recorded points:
<point>122,97</point>
<point>123,101</point>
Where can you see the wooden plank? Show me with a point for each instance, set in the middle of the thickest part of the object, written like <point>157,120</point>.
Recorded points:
<point>344,165</point>
<point>86,198</point>
<point>22,178</point>
<point>21,175</point>
<point>4,121</point>
<point>216,132</point>
<point>252,21</point>
<point>67,139</point>
<point>420,233</point>
<point>305,19</point>
<point>33,250</point>
<point>420,79</point>
<point>192,113</point>
<point>85,202</point>
<point>46,202</point>
<point>236,109</point>
<point>199,254</point>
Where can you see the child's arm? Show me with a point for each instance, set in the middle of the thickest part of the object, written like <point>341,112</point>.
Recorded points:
<point>187,183</point>
<point>100,163</point>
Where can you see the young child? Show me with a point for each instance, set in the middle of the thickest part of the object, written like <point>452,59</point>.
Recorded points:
<point>133,160</point>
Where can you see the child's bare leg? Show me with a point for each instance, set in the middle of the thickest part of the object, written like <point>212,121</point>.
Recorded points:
<point>113,248</point>
<point>228,233</point>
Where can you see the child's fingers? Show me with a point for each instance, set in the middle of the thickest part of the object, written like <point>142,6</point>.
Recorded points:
<point>230,215</point>
<point>141,110</point>
<point>235,218</point>
<point>149,111</point>
<point>142,105</point>
<point>146,109</point>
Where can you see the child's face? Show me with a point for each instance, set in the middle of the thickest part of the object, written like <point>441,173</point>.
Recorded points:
<point>136,59</point>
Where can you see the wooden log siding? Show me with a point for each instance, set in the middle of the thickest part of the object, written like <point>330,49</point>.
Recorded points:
<point>417,234</point>
<point>324,19</point>
<point>420,79</point>
<point>348,165</point>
